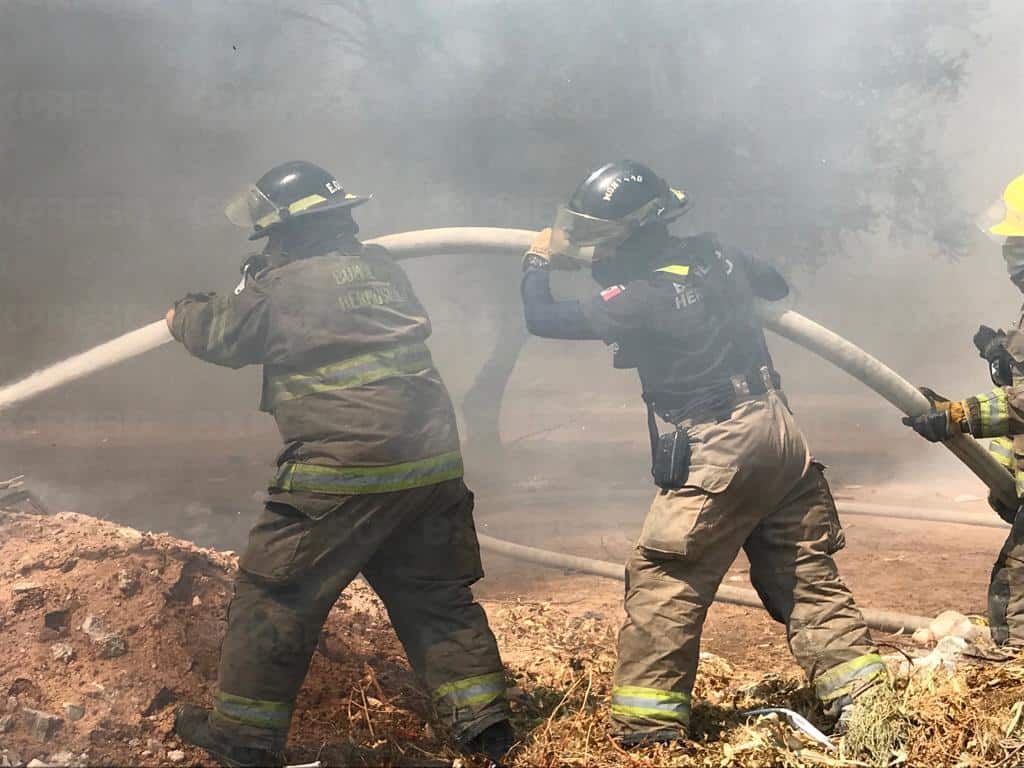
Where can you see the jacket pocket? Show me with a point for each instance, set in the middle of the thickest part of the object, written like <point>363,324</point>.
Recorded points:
<point>275,542</point>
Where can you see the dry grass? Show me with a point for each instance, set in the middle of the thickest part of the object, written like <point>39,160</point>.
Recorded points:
<point>973,718</point>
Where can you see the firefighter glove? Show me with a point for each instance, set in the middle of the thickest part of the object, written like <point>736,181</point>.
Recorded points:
<point>988,341</point>
<point>937,401</point>
<point>940,423</point>
<point>1008,514</point>
<point>544,253</point>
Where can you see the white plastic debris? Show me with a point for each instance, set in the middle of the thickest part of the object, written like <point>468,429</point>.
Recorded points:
<point>796,720</point>
<point>953,624</point>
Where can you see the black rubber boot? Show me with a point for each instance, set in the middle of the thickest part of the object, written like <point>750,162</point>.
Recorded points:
<point>493,742</point>
<point>192,724</point>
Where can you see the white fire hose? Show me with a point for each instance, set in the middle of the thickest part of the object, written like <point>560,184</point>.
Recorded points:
<point>513,242</point>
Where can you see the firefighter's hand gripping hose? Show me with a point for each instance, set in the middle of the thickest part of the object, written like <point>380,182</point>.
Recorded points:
<point>513,242</point>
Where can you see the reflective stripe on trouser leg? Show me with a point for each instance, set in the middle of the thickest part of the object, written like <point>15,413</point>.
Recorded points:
<point>461,700</point>
<point>637,703</point>
<point>238,710</point>
<point>847,677</point>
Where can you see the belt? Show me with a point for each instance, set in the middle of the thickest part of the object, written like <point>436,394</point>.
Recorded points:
<point>715,402</point>
<point>760,381</point>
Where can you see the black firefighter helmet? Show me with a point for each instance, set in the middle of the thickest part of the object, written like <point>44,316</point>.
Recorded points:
<point>616,200</point>
<point>286,192</point>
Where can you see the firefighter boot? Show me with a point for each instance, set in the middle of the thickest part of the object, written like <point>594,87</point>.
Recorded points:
<point>242,750</point>
<point>494,742</point>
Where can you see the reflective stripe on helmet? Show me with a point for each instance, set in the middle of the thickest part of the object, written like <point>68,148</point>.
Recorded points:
<point>317,478</point>
<point>351,372</point>
<point>675,269</point>
<point>298,206</point>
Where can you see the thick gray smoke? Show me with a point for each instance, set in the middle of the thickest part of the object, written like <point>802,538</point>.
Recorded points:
<point>848,141</point>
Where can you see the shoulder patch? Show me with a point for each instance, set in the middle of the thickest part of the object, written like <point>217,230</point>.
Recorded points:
<point>610,293</point>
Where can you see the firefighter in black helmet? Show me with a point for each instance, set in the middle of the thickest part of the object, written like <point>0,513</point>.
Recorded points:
<point>370,479</point>
<point>733,469</point>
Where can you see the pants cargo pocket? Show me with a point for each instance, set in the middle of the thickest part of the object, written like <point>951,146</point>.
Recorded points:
<point>678,517</point>
<point>827,505</point>
<point>275,543</point>
<point>441,542</point>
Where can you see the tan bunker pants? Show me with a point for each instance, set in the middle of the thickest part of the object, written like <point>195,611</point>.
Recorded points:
<point>1006,586</point>
<point>752,485</point>
<point>418,550</point>
<point>1006,589</point>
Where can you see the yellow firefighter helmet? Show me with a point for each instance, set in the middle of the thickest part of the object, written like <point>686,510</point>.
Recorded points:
<point>1005,217</point>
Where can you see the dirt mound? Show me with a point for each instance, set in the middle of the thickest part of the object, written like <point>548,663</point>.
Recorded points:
<point>103,629</point>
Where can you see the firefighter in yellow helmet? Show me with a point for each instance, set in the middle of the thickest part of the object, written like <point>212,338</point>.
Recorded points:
<point>998,414</point>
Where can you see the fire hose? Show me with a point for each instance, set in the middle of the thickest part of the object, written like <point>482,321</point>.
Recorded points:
<point>847,507</point>
<point>497,241</point>
<point>886,621</point>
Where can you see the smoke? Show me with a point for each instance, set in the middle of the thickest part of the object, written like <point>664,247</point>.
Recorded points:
<point>848,142</point>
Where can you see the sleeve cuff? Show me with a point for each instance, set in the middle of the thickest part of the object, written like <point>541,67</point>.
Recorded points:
<point>987,414</point>
<point>533,261</point>
<point>178,322</point>
<point>181,309</point>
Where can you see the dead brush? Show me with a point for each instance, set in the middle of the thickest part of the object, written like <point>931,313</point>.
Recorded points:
<point>970,718</point>
<point>561,667</point>
<point>878,731</point>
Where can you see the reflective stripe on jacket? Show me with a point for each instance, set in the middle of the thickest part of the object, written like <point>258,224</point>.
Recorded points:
<point>316,478</point>
<point>353,372</point>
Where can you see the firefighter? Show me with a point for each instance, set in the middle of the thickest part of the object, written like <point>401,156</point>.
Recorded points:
<point>997,414</point>
<point>733,469</point>
<point>370,478</point>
